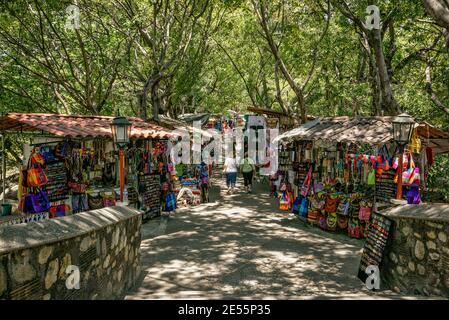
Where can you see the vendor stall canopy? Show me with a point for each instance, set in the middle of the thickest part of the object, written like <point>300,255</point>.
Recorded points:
<point>174,124</point>
<point>366,130</point>
<point>75,126</point>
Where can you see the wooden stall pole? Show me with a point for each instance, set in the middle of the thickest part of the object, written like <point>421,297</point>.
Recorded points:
<point>121,133</point>
<point>400,162</point>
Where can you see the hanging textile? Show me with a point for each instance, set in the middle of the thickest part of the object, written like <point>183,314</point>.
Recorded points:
<point>306,185</point>
<point>415,144</point>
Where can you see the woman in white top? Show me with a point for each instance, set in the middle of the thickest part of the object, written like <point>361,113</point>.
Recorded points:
<point>230,169</point>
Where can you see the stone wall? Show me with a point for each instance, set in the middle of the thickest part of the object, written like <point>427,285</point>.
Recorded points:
<point>417,258</point>
<point>103,244</point>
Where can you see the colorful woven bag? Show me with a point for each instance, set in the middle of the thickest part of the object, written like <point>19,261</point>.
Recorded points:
<point>36,177</point>
<point>331,221</point>
<point>304,208</point>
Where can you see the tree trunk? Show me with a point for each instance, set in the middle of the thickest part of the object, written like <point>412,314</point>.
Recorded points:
<point>439,10</point>
<point>143,103</point>
<point>446,41</point>
<point>376,96</point>
<point>263,16</point>
<point>278,88</point>
<point>389,104</point>
<point>155,101</point>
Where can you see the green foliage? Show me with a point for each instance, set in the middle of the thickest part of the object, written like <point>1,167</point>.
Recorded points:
<point>438,181</point>
<point>227,65</point>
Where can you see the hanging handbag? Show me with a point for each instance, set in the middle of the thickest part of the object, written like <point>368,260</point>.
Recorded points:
<point>37,158</point>
<point>170,202</point>
<point>365,211</point>
<point>39,202</point>
<point>322,221</point>
<point>312,216</point>
<point>283,187</point>
<point>304,208</point>
<point>318,187</point>
<point>354,229</point>
<point>47,154</point>
<point>25,204</point>
<point>415,179</point>
<point>342,222</point>
<point>109,200</point>
<point>382,165</point>
<point>371,178</point>
<point>413,195</point>
<point>77,187</point>
<point>62,150</point>
<point>331,221</point>
<point>331,205</point>
<point>284,203</point>
<point>59,211</point>
<point>306,185</point>
<point>296,205</point>
<point>343,208</point>
<point>318,204</point>
<point>410,175</point>
<point>94,202</point>
<point>36,177</point>
<point>404,162</point>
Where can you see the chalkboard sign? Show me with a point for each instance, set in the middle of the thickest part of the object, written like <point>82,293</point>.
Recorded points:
<point>375,244</point>
<point>385,185</point>
<point>150,193</point>
<point>56,187</point>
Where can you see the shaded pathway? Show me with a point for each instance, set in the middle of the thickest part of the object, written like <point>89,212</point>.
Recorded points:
<point>241,246</point>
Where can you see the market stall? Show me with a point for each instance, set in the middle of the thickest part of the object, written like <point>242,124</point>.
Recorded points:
<point>71,164</point>
<point>190,182</point>
<point>334,172</point>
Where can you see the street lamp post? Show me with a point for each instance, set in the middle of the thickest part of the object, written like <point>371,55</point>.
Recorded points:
<point>403,126</point>
<point>121,132</point>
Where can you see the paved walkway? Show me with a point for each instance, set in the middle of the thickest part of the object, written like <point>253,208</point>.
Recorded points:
<point>241,246</point>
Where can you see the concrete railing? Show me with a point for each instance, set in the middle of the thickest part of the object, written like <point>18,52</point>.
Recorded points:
<point>90,255</point>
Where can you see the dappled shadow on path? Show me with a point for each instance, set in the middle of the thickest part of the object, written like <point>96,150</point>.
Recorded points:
<point>241,246</point>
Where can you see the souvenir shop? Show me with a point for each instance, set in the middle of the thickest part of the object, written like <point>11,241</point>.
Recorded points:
<point>67,171</point>
<point>333,177</point>
<point>188,183</point>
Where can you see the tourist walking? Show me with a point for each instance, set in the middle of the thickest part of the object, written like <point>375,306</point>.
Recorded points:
<point>230,170</point>
<point>248,170</point>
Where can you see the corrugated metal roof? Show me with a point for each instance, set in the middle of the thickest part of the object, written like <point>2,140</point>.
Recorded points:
<point>369,130</point>
<point>75,126</point>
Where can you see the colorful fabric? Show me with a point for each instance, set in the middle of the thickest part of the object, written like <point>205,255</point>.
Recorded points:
<point>179,169</point>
